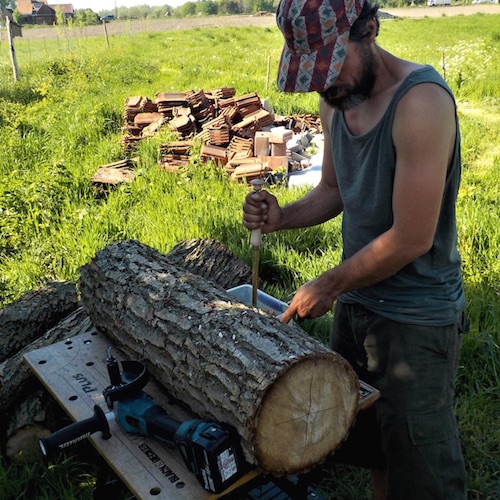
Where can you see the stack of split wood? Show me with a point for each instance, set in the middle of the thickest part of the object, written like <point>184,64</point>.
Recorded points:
<point>239,133</point>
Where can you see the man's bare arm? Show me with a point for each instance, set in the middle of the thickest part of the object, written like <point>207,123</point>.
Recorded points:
<point>424,133</point>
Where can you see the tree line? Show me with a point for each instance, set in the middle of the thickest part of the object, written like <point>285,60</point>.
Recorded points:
<point>85,17</point>
<point>195,8</point>
<point>221,7</point>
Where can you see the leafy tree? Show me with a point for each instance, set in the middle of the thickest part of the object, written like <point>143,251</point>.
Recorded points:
<point>86,17</point>
<point>158,12</point>
<point>230,7</point>
<point>263,5</point>
<point>207,8</point>
<point>7,4</point>
<point>137,12</point>
<point>187,9</point>
<point>60,18</point>
<point>16,16</point>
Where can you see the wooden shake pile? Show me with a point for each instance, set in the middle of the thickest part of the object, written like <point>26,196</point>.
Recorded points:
<point>241,134</point>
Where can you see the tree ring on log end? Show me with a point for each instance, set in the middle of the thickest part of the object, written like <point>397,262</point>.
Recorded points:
<point>306,414</point>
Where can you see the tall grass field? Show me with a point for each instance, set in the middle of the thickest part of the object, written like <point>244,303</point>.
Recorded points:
<point>63,119</point>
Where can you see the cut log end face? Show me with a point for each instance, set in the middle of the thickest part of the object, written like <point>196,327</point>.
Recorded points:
<point>306,414</point>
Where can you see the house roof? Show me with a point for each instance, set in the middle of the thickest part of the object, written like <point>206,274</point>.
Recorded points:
<point>25,6</point>
<point>66,8</point>
<point>28,7</point>
<point>46,10</point>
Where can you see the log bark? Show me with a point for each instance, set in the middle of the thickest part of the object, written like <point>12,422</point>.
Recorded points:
<point>211,260</point>
<point>15,375</point>
<point>27,411</point>
<point>29,423</point>
<point>291,399</point>
<point>33,314</point>
<point>27,324</point>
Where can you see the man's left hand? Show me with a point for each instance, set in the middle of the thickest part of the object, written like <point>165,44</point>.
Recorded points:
<point>310,301</point>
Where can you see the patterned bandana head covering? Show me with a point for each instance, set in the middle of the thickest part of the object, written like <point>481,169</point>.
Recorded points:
<point>316,34</point>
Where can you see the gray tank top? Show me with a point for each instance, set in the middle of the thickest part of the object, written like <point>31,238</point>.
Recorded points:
<point>429,290</point>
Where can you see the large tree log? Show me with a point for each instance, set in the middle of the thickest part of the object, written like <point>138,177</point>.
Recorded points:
<point>15,375</point>
<point>28,424</point>
<point>291,399</point>
<point>33,314</point>
<point>48,314</point>
<point>23,327</point>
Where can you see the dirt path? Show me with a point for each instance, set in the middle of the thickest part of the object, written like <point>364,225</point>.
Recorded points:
<point>170,24</point>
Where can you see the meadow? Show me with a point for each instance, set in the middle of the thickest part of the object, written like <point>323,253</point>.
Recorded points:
<point>63,119</point>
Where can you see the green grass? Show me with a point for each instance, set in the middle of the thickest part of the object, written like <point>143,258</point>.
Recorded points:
<point>39,481</point>
<point>62,120</point>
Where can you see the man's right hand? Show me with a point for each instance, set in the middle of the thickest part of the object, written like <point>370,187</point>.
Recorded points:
<point>261,210</point>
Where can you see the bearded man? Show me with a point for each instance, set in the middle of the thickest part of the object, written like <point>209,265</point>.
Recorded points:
<point>392,168</point>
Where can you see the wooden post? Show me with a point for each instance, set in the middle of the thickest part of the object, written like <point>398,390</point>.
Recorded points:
<point>11,48</point>
<point>105,32</point>
<point>268,71</point>
<point>443,65</point>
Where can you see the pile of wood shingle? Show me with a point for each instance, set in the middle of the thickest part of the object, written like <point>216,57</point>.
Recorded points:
<point>239,133</point>
<point>114,173</point>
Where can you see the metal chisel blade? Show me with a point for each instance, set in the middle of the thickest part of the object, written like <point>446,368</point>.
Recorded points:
<point>255,275</point>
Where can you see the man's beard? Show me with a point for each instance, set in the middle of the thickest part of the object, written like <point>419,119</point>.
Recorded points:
<point>344,97</point>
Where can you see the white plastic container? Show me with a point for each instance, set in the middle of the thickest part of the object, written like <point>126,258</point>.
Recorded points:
<point>265,302</point>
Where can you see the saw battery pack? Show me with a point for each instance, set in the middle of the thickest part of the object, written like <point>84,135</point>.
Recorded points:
<point>217,460</point>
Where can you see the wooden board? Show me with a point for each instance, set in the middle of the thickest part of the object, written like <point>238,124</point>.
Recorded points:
<point>74,372</point>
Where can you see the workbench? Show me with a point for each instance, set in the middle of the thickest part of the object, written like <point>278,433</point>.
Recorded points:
<point>74,371</point>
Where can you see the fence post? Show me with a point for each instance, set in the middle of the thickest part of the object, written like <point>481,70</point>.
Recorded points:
<point>105,32</point>
<point>11,48</point>
<point>268,71</point>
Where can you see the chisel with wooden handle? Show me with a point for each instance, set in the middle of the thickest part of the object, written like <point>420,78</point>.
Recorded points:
<point>255,241</point>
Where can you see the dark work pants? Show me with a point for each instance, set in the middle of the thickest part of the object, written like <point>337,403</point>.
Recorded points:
<point>411,430</point>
